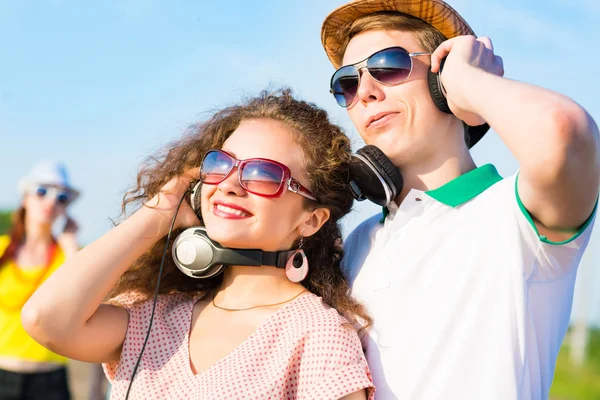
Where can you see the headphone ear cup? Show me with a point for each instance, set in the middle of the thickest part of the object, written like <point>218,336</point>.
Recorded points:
<point>384,167</point>
<point>437,95</point>
<point>474,133</point>
<point>195,200</point>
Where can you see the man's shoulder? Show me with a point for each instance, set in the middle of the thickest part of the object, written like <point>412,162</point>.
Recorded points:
<point>500,193</point>
<point>358,245</point>
<point>359,233</point>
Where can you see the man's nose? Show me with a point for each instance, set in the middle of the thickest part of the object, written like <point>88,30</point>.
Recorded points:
<point>369,89</point>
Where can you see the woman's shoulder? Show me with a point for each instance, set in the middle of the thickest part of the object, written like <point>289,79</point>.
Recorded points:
<point>314,315</point>
<point>330,351</point>
<point>136,301</point>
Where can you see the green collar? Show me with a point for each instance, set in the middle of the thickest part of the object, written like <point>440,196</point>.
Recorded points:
<point>463,188</point>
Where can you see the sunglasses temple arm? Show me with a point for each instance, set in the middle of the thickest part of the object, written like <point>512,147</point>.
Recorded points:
<point>419,54</point>
<point>308,196</point>
<point>296,187</point>
<point>302,191</point>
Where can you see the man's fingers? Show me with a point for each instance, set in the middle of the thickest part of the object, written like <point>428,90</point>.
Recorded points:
<point>499,65</point>
<point>487,42</point>
<point>438,55</point>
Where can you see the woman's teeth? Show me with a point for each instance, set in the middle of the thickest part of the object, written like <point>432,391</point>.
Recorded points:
<point>230,210</point>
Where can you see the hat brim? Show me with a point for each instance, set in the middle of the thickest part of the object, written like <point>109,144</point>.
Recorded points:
<point>435,12</point>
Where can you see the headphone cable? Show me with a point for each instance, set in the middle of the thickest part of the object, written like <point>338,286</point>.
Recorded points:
<point>162,264</point>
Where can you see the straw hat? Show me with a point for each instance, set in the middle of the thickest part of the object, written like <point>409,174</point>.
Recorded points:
<point>435,12</point>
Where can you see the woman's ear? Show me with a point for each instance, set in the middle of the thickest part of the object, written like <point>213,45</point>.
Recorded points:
<point>314,222</point>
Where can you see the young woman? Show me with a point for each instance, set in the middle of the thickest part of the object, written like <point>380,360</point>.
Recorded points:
<point>29,254</point>
<point>273,173</point>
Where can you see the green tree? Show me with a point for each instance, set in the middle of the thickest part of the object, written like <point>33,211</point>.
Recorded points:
<point>4,221</point>
<point>578,382</point>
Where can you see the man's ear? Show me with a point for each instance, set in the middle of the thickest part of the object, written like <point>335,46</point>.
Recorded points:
<point>314,222</point>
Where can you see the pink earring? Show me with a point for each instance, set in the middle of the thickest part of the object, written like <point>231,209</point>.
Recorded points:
<point>296,268</point>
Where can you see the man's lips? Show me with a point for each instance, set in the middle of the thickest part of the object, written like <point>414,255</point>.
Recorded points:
<point>380,118</point>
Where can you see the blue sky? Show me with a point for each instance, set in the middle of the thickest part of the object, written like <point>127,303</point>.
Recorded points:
<point>103,84</point>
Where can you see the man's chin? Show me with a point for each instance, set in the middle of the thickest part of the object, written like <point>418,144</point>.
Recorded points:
<point>392,146</point>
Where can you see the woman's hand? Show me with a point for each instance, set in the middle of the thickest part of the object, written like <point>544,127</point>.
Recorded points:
<point>67,240</point>
<point>169,197</point>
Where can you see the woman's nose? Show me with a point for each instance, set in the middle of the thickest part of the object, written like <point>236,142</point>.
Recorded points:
<point>231,184</point>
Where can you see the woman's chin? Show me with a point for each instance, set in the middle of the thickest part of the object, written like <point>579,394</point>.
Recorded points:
<point>229,239</point>
<point>44,219</point>
<point>240,238</point>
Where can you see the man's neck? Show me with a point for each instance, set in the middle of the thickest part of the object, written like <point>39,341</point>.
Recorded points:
<point>435,172</point>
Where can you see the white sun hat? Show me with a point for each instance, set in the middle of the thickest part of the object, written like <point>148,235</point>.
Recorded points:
<point>49,173</point>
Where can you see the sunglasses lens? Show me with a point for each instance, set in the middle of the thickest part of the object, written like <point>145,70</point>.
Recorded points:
<point>41,191</point>
<point>390,66</point>
<point>216,166</point>
<point>63,198</point>
<point>262,177</point>
<point>344,85</point>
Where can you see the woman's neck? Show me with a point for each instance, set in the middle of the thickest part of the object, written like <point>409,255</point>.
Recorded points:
<point>244,287</point>
<point>37,234</point>
<point>34,249</point>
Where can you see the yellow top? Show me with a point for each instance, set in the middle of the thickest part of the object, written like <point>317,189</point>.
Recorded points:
<point>16,286</point>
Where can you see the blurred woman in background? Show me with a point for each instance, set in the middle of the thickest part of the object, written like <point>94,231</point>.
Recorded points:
<point>28,255</point>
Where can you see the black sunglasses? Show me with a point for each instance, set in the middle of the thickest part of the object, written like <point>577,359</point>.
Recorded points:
<point>388,66</point>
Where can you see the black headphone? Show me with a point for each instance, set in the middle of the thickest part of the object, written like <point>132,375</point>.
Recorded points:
<point>438,95</point>
<point>374,177</point>
<point>198,256</point>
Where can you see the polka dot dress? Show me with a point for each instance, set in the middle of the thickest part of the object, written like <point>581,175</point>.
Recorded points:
<point>305,350</point>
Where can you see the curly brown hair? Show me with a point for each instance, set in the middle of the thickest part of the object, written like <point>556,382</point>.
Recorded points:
<point>327,153</point>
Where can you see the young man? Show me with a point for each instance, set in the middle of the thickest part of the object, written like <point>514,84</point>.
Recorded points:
<point>469,277</point>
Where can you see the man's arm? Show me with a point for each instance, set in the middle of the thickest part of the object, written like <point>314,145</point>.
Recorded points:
<point>553,138</point>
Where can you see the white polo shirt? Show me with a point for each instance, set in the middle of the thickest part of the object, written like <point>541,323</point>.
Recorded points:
<point>468,301</point>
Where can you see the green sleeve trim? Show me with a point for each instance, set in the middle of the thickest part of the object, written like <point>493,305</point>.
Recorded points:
<point>544,238</point>
<point>384,214</point>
